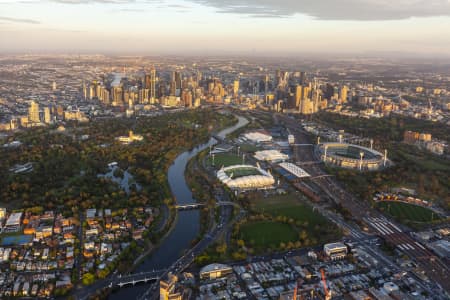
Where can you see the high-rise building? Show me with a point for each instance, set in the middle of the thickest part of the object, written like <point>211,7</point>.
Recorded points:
<point>236,88</point>
<point>343,94</point>
<point>117,95</point>
<point>173,88</point>
<point>47,115</point>
<point>150,84</point>
<point>186,98</point>
<point>33,113</point>
<point>144,95</point>
<point>266,85</point>
<point>298,96</point>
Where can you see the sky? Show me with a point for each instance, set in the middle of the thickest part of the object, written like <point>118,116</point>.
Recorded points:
<point>226,26</point>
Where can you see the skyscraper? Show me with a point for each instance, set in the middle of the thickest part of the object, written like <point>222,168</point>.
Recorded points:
<point>47,115</point>
<point>343,94</point>
<point>150,84</point>
<point>236,88</point>
<point>298,96</point>
<point>33,113</point>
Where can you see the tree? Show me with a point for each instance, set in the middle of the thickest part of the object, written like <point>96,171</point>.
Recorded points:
<point>88,278</point>
<point>221,249</point>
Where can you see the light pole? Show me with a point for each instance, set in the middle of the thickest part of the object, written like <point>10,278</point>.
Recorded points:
<point>361,155</point>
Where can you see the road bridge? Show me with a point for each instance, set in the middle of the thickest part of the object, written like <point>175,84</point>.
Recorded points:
<point>133,279</point>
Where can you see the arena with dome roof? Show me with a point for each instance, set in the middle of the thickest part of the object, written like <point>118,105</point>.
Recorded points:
<point>245,177</point>
<point>352,156</point>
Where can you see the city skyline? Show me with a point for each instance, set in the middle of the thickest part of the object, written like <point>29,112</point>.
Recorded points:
<point>209,27</point>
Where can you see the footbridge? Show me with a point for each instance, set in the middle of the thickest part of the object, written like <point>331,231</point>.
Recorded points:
<point>200,205</point>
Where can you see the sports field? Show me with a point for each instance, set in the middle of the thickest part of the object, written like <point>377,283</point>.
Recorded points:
<point>266,234</point>
<point>225,159</point>
<point>290,206</point>
<point>408,212</point>
<point>242,172</point>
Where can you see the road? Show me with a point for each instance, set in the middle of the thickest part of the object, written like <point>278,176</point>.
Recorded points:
<point>362,211</point>
<point>186,260</point>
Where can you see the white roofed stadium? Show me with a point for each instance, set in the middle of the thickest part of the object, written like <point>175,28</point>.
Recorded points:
<point>245,177</point>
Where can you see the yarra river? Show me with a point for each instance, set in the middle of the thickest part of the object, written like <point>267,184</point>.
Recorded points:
<point>187,225</point>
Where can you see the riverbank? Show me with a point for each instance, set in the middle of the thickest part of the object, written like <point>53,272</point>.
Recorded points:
<point>186,227</point>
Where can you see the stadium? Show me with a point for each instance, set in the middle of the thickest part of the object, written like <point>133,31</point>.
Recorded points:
<point>245,177</point>
<point>351,156</point>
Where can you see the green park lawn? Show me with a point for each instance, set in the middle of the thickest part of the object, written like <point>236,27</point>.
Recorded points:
<point>408,212</point>
<point>288,205</point>
<point>266,234</point>
<point>302,219</point>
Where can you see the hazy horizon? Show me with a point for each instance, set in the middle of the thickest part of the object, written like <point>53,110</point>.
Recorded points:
<point>217,27</point>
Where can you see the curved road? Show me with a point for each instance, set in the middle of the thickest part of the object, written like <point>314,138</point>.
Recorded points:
<point>186,229</point>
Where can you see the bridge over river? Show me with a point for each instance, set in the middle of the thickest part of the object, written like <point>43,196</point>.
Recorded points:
<point>200,205</point>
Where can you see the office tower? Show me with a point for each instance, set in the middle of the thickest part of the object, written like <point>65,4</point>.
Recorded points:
<point>236,88</point>
<point>60,111</point>
<point>144,95</point>
<point>177,79</point>
<point>91,92</point>
<point>162,89</point>
<point>302,78</point>
<point>173,88</point>
<point>329,91</point>
<point>343,94</point>
<point>47,115</point>
<point>85,91</point>
<point>186,98</point>
<point>117,95</point>
<point>266,85</point>
<point>298,96</point>
<point>33,113</point>
<point>104,96</point>
<point>150,84</point>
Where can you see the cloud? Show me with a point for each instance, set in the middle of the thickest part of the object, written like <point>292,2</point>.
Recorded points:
<point>18,20</point>
<point>363,10</point>
<point>94,1</point>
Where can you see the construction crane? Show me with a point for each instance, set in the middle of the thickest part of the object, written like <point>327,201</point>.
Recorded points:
<point>294,297</point>
<point>324,282</point>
